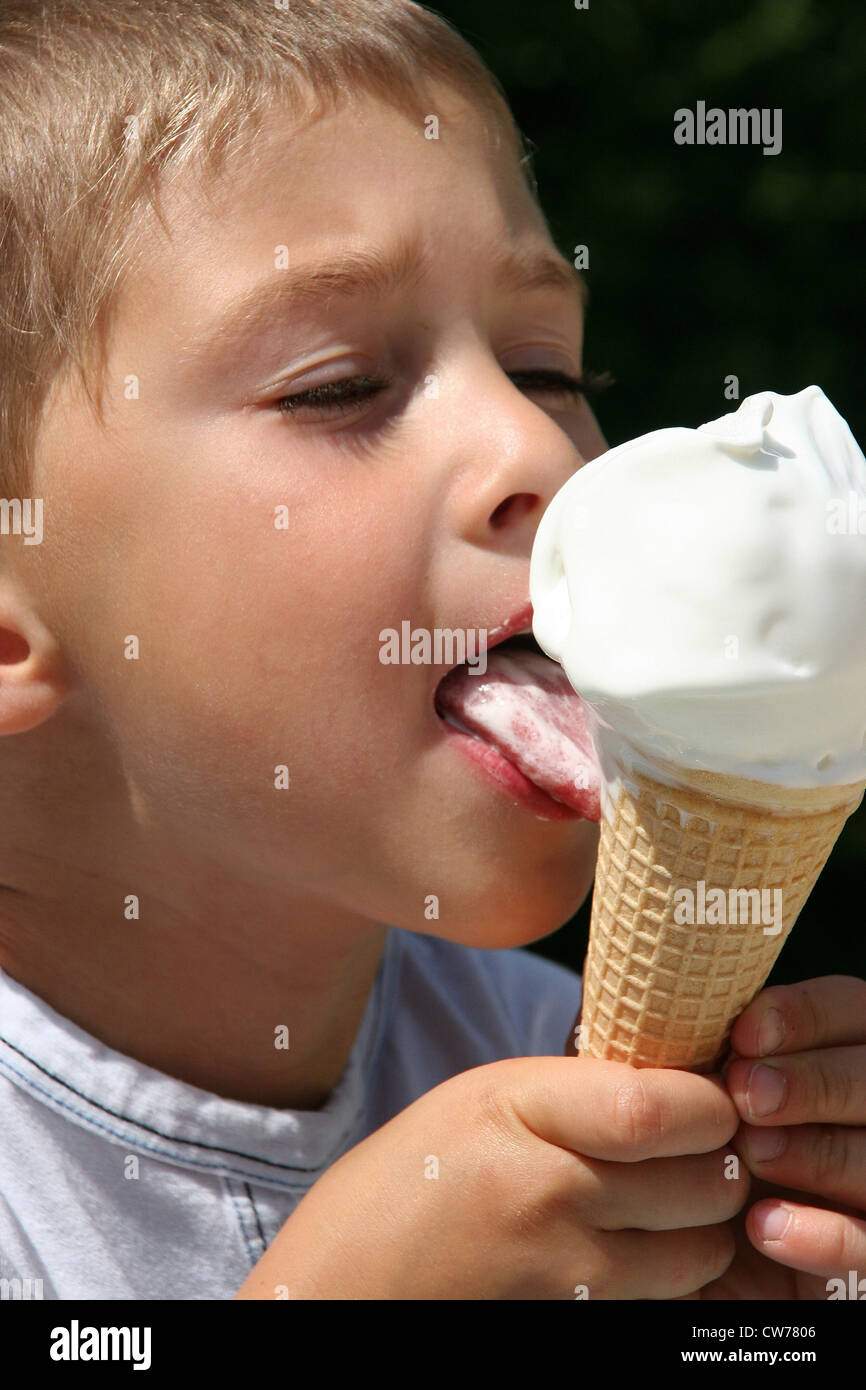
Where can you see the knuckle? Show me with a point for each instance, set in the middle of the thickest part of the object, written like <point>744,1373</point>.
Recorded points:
<point>502,1163</point>
<point>843,1091</point>
<point>808,1014</point>
<point>638,1115</point>
<point>831,1155</point>
<point>851,985</point>
<point>820,1089</point>
<point>492,1101</point>
<point>810,1008</point>
<point>832,1093</point>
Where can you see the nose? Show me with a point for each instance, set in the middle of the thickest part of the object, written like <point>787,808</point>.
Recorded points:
<point>512,509</point>
<point>508,455</point>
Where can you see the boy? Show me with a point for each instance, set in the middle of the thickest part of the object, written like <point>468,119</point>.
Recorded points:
<point>282,384</point>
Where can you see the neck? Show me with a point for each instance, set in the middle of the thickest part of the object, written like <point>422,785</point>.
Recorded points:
<point>161,953</point>
<point>250,1008</point>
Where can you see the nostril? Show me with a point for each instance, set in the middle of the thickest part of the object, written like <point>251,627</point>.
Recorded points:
<point>512,509</point>
<point>13,648</point>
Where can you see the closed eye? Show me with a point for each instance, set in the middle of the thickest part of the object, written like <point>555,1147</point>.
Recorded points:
<point>336,396</point>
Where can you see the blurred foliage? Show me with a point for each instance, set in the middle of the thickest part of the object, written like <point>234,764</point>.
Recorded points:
<point>704,260</point>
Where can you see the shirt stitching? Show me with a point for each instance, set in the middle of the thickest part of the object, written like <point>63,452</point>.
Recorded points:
<point>140,1124</point>
<point>389,975</point>
<point>238,1206</point>
<point>252,1201</point>
<point>150,1148</point>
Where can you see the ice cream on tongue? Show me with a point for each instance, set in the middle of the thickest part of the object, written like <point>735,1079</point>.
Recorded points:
<point>525,707</point>
<point>707,602</point>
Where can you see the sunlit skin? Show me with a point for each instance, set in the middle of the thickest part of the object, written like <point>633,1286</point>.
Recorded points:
<point>259,646</point>
<point>813,1035</point>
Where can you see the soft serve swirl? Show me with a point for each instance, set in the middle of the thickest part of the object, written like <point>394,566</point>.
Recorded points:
<point>705,591</point>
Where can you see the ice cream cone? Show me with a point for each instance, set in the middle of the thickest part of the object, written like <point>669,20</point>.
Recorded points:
<point>660,990</point>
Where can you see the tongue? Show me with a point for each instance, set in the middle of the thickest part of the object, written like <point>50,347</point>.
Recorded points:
<point>525,707</point>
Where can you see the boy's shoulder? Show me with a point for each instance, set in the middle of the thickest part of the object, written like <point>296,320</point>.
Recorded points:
<point>500,1003</point>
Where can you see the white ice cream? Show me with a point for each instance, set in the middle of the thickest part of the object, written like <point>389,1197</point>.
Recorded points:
<point>705,592</point>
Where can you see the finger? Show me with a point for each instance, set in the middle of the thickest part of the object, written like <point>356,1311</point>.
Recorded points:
<point>824,1087</point>
<point>829,1160</point>
<point>763,1188</point>
<point>661,1264</point>
<point>612,1111</point>
<point>825,1012</point>
<point>662,1194</point>
<point>809,1239</point>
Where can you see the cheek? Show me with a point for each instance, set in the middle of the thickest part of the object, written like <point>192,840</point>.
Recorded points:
<point>259,646</point>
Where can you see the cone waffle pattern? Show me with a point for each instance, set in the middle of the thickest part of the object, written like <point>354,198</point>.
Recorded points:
<point>658,993</point>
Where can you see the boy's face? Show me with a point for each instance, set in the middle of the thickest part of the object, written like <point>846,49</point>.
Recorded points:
<point>259,643</point>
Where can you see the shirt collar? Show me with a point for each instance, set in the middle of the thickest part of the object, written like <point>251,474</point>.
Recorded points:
<point>145,1110</point>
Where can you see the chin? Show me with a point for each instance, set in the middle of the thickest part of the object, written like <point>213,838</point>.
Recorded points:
<point>516,915</point>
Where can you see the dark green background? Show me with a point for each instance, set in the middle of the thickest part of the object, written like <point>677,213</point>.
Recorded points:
<point>704,261</point>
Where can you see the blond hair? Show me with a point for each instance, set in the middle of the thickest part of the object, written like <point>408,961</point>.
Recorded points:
<point>99,97</point>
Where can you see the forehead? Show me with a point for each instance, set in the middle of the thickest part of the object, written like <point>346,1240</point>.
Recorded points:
<point>441,129</point>
<point>343,171</point>
<point>364,181</point>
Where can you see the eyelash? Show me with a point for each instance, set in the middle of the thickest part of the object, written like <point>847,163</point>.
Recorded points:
<point>353,390</point>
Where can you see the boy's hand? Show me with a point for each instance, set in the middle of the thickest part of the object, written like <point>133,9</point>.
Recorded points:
<point>812,1102</point>
<point>534,1177</point>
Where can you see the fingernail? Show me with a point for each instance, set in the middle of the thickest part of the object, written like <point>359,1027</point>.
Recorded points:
<point>765,1143</point>
<point>765,1090</point>
<point>773,1222</point>
<point>770,1032</point>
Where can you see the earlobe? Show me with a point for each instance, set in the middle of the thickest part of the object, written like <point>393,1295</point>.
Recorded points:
<point>34,678</point>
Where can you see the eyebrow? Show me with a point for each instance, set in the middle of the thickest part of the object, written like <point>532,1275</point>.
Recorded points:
<point>374,272</point>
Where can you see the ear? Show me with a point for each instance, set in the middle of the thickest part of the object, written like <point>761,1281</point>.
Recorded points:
<point>34,676</point>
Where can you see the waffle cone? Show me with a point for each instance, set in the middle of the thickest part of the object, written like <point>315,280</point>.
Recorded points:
<point>660,990</point>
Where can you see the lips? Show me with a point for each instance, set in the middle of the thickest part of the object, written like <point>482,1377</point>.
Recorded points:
<point>524,707</point>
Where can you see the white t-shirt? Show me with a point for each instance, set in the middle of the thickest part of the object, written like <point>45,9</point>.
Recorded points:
<point>119,1182</point>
